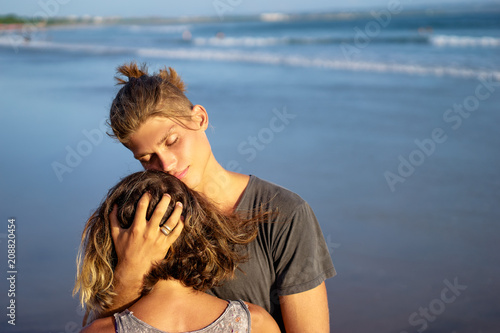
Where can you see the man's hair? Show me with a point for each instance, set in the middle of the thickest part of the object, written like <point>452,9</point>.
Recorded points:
<point>144,96</point>
<point>206,253</point>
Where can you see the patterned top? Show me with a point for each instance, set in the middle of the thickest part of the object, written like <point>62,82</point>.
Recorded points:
<point>235,319</point>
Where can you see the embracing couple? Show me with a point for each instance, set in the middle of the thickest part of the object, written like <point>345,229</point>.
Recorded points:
<point>187,246</point>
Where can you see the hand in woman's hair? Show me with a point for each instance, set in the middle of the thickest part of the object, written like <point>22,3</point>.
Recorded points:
<point>143,244</point>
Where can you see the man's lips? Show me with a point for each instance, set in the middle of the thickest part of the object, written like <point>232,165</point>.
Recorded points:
<point>181,174</point>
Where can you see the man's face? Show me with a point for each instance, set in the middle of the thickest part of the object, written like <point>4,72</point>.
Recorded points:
<point>165,145</point>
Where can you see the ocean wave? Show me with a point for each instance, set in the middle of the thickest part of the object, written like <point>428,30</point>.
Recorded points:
<point>300,61</point>
<point>239,41</point>
<point>17,42</point>
<point>464,41</point>
<point>271,41</point>
<point>254,57</point>
<point>437,40</point>
<point>274,17</point>
<point>161,29</point>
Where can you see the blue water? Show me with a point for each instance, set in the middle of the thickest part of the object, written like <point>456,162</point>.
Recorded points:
<point>351,115</point>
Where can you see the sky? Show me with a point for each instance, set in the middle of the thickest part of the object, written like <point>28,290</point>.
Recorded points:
<point>135,8</point>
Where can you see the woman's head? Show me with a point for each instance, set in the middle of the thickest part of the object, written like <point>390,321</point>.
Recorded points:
<point>204,255</point>
<point>144,96</point>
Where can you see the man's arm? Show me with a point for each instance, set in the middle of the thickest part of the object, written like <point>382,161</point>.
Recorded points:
<point>306,312</point>
<point>127,286</point>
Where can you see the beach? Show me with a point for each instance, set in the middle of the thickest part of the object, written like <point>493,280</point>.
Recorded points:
<point>391,137</point>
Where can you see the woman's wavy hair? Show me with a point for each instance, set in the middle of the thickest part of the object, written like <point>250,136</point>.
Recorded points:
<point>143,96</point>
<point>206,253</point>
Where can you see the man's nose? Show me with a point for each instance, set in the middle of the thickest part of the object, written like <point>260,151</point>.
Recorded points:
<point>167,161</point>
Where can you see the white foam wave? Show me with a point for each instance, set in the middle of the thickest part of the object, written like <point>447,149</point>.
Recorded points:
<point>162,29</point>
<point>16,42</point>
<point>465,41</point>
<point>254,57</point>
<point>274,17</point>
<point>240,41</point>
<point>248,41</point>
<point>299,61</point>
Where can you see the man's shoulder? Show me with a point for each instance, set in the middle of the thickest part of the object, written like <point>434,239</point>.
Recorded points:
<point>273,193</point>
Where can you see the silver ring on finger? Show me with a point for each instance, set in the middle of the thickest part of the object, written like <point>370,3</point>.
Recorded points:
<point>166,230</point>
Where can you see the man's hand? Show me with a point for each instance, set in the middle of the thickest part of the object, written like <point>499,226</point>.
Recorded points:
<point>139,247</point>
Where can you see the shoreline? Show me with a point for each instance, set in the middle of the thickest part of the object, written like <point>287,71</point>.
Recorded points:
<point>13,22</point>
<point>54,26</point>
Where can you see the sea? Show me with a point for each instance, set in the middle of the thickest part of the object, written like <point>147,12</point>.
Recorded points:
<point>385,121</point>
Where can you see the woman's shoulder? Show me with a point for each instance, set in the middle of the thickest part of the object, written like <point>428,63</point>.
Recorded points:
<point>100,325</point>
<point>261,320</point>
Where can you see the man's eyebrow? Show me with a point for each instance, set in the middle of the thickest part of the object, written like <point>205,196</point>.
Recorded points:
<point>165,137</point>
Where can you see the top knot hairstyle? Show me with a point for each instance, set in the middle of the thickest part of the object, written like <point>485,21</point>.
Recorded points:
<point>143,96</point>
<point>206,253</point>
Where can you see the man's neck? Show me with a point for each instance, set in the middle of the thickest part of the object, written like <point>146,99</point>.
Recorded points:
<point>223,187</point>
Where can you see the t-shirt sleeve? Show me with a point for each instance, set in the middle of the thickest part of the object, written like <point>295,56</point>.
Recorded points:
<point>301,256</point>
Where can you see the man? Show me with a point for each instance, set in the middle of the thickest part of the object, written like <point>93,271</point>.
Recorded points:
<point>289,260</point>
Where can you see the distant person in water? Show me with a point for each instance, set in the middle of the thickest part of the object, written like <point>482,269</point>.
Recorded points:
<point>204,255</point>
<point>288,260</point>
<point>186,35</point>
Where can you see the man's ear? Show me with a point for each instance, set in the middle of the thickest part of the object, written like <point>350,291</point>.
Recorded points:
<point>200,117</point>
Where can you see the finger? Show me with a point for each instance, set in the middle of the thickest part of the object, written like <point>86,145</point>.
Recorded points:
<point>141,212</point>
<point>172,237</point>
<point>115,225</point>
<point>174,218</point>
<point>159,211</point>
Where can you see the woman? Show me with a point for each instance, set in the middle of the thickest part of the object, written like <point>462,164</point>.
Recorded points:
<point>288,261</point>
<point>205,254</point>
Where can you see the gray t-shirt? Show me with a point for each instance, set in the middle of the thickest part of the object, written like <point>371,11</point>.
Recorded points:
<point>288,256</point>
<point>236,318</point>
